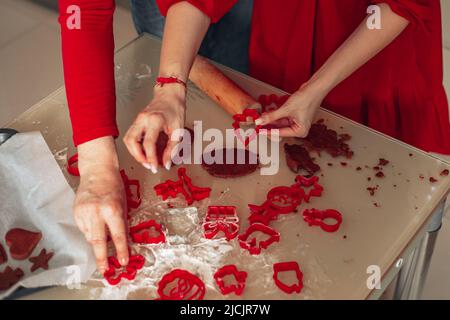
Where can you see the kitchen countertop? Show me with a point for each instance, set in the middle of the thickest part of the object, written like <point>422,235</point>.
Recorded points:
<point>334,264</point>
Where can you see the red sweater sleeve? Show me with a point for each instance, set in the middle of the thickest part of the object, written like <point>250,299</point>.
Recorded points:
<point>88,57</point>
<point>418,12</point>
<point>215,9</point>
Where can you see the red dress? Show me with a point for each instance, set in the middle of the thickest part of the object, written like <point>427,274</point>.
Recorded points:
<point>399,92</point>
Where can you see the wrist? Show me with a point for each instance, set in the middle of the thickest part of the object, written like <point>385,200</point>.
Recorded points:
<point>97,155</point>
<point>320,84</point>
<point>171,90</point>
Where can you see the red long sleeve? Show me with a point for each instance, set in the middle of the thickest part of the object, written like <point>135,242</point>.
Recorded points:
<point>214,9</point>
<point>418,12</point>
<point>88,56</point>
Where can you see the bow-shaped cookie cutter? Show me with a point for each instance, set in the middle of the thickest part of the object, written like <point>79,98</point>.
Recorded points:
<point>221,219</point>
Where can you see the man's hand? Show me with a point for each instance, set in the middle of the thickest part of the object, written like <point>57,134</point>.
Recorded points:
<point>166,112</point>
<point>100,200</point>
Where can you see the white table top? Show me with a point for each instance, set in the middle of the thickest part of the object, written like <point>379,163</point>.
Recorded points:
<point>334,266</point>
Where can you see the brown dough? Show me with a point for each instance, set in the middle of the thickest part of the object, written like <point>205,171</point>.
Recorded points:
<point>231,170</point>
<point>298,158</point>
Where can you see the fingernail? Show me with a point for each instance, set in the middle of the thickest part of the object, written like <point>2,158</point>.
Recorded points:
<point>147,166</point>
<point>168,165</point>
<point>102,270</point>
<point>258,121</point>
<point>124,262</point>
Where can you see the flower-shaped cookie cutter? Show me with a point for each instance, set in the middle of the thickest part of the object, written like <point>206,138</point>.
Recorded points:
<point>315,217</point>
<point>251,244</point>
<point>187,286</point>
<point>240,278</point>
<point>115,272</point>
<point>286,267</point>
<point>72,169</point>
<point>141,233</point>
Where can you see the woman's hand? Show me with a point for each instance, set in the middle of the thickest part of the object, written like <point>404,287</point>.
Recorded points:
<point>166,112</point>
<point>295,117</point>
<point>100,200</point>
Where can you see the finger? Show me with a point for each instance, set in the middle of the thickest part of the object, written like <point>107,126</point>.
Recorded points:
<point>272,116</point>
<point>97,238</point>
<point>175,137</point>
<point>117,228</point>
<point>80,224</point>
<point>152,131</point>
<point>295,130</point>
<point>133,142</point>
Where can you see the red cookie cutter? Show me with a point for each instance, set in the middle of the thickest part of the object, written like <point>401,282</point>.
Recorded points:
<point>141,233</point>
<point>267,100</point>
<point>115,272</point>
<point>226,213</point>
<point>184,186</point>
<point>285,199</point>
<point>261,214</point>
<point>221,219</point>
<point>244,117</point>
<point>315,217</point>
<point>71,168</point>
<point>251,244</point>
<point>285,267</point>
<point>187,286</point>
<point>317,189</point>
<point>133,201</point>
<point>280,200</point>
<point>212,229</point>
<point>239,276</point>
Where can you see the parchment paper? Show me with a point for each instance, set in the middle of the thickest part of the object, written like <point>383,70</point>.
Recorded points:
<point>34,195</point>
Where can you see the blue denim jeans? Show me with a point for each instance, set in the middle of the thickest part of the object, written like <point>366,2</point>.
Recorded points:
<point>226,42</point>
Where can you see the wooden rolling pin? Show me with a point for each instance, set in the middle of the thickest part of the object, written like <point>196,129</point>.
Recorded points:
<point>220,88</point>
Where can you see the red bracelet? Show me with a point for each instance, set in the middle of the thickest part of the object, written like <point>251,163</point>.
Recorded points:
<point>161,81</point>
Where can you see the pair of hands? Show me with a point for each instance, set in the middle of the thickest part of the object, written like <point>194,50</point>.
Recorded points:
<point>100,204</point>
